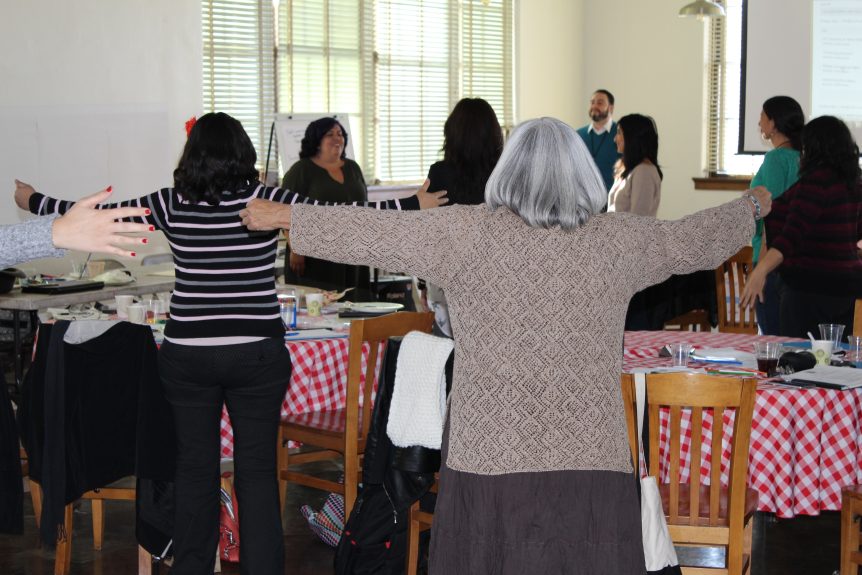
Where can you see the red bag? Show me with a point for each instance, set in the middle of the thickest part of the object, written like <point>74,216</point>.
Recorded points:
<point>228,544</point>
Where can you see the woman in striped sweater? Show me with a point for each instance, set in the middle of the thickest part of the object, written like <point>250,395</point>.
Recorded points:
<point>223,342</point>
<point>813,232</point>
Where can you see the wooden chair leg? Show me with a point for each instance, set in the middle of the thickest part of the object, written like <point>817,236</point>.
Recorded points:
<point>351,484</point>
<point>63,554</point>
<point>36,497</point>
<point>413,532</point>
<point>850,535</point>
<point>98,508</point>
<point>145,562</point>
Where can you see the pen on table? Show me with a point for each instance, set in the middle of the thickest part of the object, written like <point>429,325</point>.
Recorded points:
<point>291,333</point>
<point>724,361</point>
<point>732,372</point>
<point>84,267</point>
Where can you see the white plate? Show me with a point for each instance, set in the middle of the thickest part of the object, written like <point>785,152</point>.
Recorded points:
<point>372,306</point>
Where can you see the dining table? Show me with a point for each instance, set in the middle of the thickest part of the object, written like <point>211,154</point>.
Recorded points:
<point>806,443</point>
<point>144,280</point>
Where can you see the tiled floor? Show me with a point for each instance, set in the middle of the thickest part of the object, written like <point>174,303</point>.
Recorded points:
<point>802,546</point>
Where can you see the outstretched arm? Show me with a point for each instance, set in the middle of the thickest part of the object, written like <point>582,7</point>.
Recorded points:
<point>260,214</point>
<point>88,229</point>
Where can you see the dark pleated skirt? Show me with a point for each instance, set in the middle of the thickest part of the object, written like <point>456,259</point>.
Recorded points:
<point>545,523</point>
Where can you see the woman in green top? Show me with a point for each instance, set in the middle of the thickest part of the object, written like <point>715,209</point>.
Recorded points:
<point>781,122</point>
<point>324,173</point>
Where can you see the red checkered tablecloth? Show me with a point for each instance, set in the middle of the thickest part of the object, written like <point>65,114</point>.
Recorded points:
<point>806,444</point>
<point>318,381</point>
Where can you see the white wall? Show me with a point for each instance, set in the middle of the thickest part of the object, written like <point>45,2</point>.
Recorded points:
<point>653,61</point>
<point>95,92</point>
<point>548,59</point>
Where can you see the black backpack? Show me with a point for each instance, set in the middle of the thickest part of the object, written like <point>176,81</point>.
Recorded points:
<point>374,540</point>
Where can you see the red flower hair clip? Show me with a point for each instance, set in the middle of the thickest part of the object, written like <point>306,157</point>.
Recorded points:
<point>190,123</point>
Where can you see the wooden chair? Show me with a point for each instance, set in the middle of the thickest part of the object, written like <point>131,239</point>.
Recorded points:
<point>698,514</point>
<point>341,433</point>
<point>730,280</point>
<point>851,537</point>
<point>116,492</point>
<point>418,521</point>
<point>692,320</point>
<point>123,489</point>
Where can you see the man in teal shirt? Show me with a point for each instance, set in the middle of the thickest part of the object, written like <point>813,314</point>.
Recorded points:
<point>599,134</point>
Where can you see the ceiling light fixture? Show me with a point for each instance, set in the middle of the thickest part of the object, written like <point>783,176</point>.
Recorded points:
<point>702,9</point>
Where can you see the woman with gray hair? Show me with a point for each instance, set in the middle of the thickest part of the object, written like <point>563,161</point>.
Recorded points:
<point>537,474</point>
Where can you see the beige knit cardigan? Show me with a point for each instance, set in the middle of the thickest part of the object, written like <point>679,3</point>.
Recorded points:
<point>538,315</point>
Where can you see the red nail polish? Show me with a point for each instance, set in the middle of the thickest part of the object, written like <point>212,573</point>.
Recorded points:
<point>133,254</point>
<point>110,188</point>
<point>147,212</point>
<point>143,240</point>
<point>152,228</point>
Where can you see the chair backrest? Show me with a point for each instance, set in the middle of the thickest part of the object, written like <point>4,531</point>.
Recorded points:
<point>698,393</point>
<point>730,279</point>
<point>857,318</point>
<point>693,320</point>
<point>374,331</point>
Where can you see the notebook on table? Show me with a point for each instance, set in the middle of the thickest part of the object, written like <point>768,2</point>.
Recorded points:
<point>827,376</point>
<point>70,286</point>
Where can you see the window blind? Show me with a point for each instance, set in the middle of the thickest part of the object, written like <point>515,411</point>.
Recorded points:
<point>238,71</point>
<point>395,66</point>
<point>724,76</point>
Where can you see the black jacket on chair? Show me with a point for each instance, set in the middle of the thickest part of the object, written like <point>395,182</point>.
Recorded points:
<point>91,414</point>
<point>375,535</point>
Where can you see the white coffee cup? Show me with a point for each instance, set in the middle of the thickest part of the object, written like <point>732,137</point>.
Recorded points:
<point>137,313</point>
<point>822,350</point>
<point>122,303</point>
<point>314,303</point>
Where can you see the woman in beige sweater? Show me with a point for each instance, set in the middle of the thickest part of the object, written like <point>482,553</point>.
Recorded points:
<point>537,475</point>
<point>637,186</point>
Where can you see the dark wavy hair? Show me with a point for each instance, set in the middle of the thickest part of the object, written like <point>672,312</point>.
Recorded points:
<point>640,139</point>
<point>828,144</point>
<point>314,135</point>
<point>218,157</point>
<point>607,94</point>
<point>472,143</point>
<point>787,115</point>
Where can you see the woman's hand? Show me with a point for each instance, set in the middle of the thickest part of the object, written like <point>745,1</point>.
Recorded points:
<point>297,263</point>
<point>86,229</point>
<point>762,195</point>
<point>753,287</point>
<point>22,194</point>
<point>430,199</point>
<point>265,215</point>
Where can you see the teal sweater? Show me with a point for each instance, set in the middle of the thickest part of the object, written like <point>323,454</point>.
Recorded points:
<point>779,171</point>
<point>603,149</point>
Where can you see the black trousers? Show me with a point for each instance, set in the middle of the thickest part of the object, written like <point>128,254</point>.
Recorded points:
<point>251,380</point>
<point>802,311</point>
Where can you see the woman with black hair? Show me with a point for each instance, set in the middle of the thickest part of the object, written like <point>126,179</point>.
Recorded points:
<point>813,233</point>
<point>325,173</point>
<point>637,190</point>
<point>224,341</point>
<point>472,144</point>
<point>637,185</point>
<point>781,122</point>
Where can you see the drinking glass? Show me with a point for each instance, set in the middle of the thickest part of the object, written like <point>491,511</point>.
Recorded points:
<point>767,354</point>
<point>679,353</point>
<point>833,332</point>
